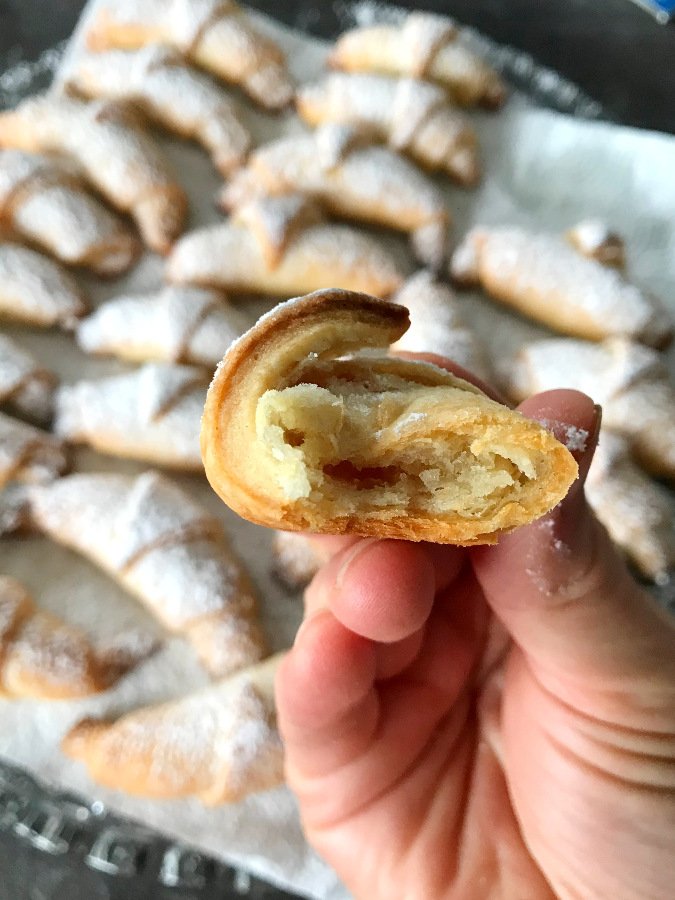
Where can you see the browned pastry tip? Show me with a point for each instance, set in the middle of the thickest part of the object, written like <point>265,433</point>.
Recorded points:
<point>303,432</point>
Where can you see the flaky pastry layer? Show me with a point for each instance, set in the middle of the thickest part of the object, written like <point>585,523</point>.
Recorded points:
<point>304,431</point>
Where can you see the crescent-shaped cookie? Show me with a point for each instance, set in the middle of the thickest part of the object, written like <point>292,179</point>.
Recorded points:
<point>412,116</point>
<point>177,324</point>
<point>36,290</point>
<point>163,548</point>
<point>423,45</point>
<point>159,82</point>
<point>282,246</point>
<point>303,432</point>
<point>42,657</point>
<point>215,34</point>
<point>150,414</point>
<point>545,277</point>
<point>351,177</point>
<point>118,158</point>
<point>28,454</point>
<point>218,744</point>
<point>43,201</point>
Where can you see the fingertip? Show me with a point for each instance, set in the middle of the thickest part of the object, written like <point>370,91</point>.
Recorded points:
<point>328,670</point>
<point>384,589</point>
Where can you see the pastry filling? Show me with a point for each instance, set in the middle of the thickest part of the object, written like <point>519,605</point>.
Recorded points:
<point>343,442</point>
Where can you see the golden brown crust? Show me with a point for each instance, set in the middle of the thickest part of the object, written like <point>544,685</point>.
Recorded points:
<point>298,346</point>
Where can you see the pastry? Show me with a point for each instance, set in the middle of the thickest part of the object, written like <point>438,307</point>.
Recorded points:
<point>160,545</point>
<point>177,324</point>
<point>436,324</point>
<point>281,246</point>
<point>412,116</point>
<point>28,454</point>
<point>594,239</point>
<point>115,155</point>
<point>214,34</point>
<point>14,514</point>
<point>422,45</point>
<point>629,381</point>
<point>296,559</point>
<point>637,512</point>
<point>43,658</point>
<point>341,169</point>
<point>218,744</point>
<point>150,414</point>
<point>299,435</point>
<point>42,200</point>
<point>544,277</point>
<point>25,387</point>
<point>36,290</point>
<point>159,82</point>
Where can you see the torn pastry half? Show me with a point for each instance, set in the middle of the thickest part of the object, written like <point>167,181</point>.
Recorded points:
<point>631,383</point>
<point>113,153</point>
<point>638,513</point>
<point>422,45</point>
<point>37,291</point>
<point>437,325</point>
<point>546,277</point>
<point>28,454</point>
<point>44,201</point>
<point>44,658</point>
<point>150,414</point>
<point>340,167</point>
<point>26,387</point>
<point>282,246</point>
<point>178,324</point>
<point>165,549</point>
<point>168,91</point>
<point>412,116</point>
<point>216,35</point>
<point>219,744</point>
<point>310,426</point>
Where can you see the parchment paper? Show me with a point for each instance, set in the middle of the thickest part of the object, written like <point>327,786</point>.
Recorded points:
<point>543,170</point>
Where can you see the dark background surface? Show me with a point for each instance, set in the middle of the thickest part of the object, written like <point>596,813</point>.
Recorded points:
<point>610,48</point>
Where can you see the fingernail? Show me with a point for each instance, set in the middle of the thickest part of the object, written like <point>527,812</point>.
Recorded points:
<point>353,554</point>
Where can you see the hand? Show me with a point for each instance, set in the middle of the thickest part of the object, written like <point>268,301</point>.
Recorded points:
<point>498,722</point>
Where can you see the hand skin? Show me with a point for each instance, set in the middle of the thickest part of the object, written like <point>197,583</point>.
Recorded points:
<point>496,722</point>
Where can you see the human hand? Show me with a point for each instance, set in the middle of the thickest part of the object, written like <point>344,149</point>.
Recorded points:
<point>498,722</point>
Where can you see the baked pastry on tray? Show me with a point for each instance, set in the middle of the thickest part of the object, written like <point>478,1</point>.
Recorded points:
<point>423,45</point>
<point>43,658</point>
<point>215,34</point>
<point>545,277</point>
<point>282,246</point>
<point>151,413</point>
<point>36,290</point>
<point>303,432</point>
<point>28,454</point>
<point>218,744</point>
<point>25,386</point>
<point>43,201</point>
<point>177,324</point>
<point>637,512</point>
<point>342,169</point>
<point>629,381</point>
<point>159,82</point>
<point>165,549</point>
<point>436,324</point>
<point>115,155</point>
<point>412,116</point>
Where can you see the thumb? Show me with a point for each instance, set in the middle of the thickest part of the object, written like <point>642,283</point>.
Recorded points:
<point>560,587</point>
